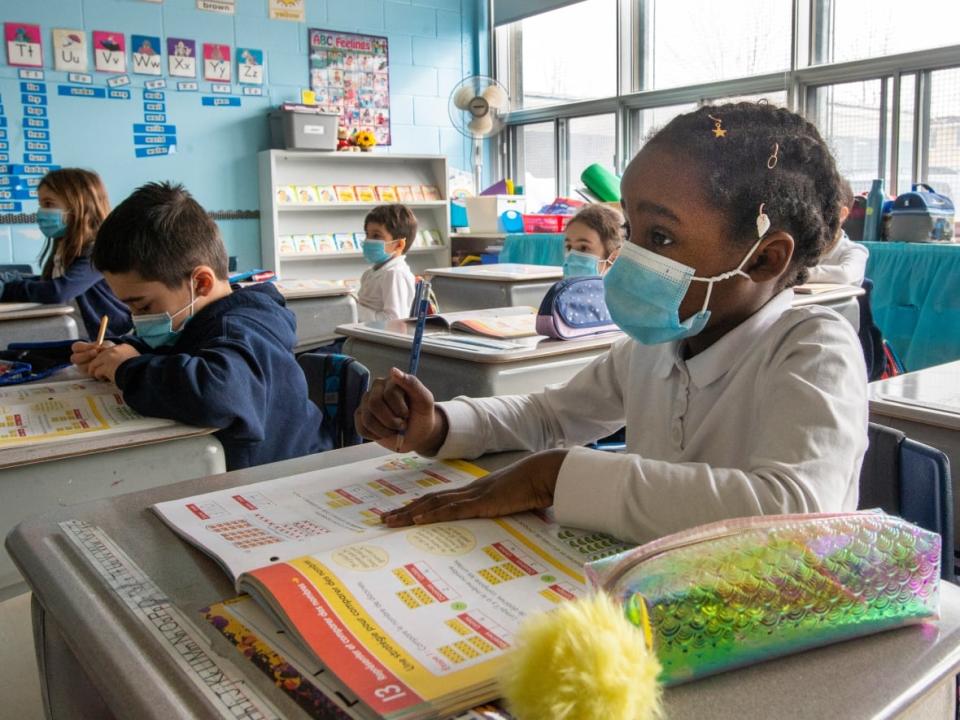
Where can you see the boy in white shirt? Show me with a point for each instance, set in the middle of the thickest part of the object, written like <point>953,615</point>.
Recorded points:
<point>387,288</point>
<point>846,262</point>
<point>735,403</point>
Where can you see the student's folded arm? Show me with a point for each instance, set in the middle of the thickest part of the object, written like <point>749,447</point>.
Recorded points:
<point>588,407</point>
<point>802,453</point>
<point>76,280</point>
<point>221,386</point>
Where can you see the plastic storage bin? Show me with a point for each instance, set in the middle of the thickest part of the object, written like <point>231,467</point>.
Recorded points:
<point>303,130</point>
<point>545,223</point>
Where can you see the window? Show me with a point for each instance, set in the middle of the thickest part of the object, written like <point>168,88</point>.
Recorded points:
<point>908,119</point>
<point>697,42</point>
<point>774,98</point>
<point>848,116</point>
<point>538,163</point>
<point>567,55</point>
<point>589,140</point>
<point>943,163</point>
<point>859,29</point>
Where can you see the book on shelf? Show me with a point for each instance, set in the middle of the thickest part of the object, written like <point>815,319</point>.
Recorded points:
<point>304,244</point>
<point>417,192</point>
<point>325,243</point>
<point>346,242</point>
<point>326,193</point>
<point>308,194</point>
<point>365,193</point>
<point>345,193</point>
<point>286,245</point>
<point>404,193</point>
<point>430,192</point>
<point>387,193</point>
<point>404,624</point>
<point>287,195</point>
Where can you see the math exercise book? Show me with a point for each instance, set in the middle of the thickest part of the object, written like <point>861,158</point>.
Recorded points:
<point>399,623</point>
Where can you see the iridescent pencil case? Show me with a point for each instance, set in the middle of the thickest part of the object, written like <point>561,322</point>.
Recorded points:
<point>738,592</point>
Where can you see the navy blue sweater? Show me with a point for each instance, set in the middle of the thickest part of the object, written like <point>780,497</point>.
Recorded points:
<point>232,368</point>
<point>82,283</point>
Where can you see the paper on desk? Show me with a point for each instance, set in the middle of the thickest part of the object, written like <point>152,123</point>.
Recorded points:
<point>16,307</point>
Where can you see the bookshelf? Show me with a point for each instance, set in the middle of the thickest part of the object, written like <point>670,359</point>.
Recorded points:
<point>279,168</point>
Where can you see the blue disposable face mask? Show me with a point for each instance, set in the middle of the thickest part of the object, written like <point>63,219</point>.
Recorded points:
<point>580,264</point>
<point>644,290</point>
<point>52,222</point>
<point>375,251</point>
<point>156,329</point>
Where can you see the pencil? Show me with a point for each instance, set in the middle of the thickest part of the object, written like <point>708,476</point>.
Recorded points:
<point>424,295</point>
<point>102,333</point>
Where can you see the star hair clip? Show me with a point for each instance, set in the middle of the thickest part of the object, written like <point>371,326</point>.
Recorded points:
<point>718,131</point>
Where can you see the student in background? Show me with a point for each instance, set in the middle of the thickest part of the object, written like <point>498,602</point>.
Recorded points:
<point>73,203</point>
<point>846,262</point>
<point>735,402</point>
<point>386,289</point>
<point>204,354</point>
<point>592,241</point>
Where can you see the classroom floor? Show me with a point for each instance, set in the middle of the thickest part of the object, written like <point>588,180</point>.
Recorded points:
<point>19,685</point>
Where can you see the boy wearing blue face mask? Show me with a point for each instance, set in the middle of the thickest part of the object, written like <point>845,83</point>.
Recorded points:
<point>735,402</point>
<point>202,353</point>
<point>73,203</point>
<point>387,288</point>
<point>592,241</point>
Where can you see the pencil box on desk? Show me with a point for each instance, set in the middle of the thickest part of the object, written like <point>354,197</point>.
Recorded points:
<point>737,592</point>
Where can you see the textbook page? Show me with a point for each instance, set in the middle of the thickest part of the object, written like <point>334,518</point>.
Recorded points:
<point>47,412</point>
<point>259,524</point>
<point>423,616</point>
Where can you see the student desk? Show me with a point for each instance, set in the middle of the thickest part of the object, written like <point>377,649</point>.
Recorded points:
<point>925,405</point>
<point>319,310</point>
<point>38,478</point>
<point>488,286</point>
<point>450,370</point>
<point>97,659</point>
<point>842,299</point>
<point>36,324</point>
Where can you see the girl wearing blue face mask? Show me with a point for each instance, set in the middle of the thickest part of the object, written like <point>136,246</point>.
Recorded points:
<point>735,402</point>
<point>592,241</point>
<point>73,203</point>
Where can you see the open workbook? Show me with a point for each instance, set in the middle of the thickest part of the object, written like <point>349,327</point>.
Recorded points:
<point>411,622</point>
<point>503,323</point>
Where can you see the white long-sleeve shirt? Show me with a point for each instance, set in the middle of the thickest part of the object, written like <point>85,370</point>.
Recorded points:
<point>772,418</point>
<point>386,292</point>
<point>845,263</point>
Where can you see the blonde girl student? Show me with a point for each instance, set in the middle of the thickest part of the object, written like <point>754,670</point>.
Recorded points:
<point>735,403</point>
<point>73,203</point>
<point>592,241</point>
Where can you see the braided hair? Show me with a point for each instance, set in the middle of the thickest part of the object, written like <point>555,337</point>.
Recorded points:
<point>801,192</point>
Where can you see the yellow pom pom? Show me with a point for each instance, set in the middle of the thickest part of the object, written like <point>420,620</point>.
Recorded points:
<point>583,661</point>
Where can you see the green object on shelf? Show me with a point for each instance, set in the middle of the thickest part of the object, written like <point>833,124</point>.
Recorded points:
<point>601,182</point>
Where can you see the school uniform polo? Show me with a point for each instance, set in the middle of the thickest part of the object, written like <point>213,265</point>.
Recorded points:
<point>772,418</point>
<point>233,369</point>
<point>386,291</point>
<point>846,263</point>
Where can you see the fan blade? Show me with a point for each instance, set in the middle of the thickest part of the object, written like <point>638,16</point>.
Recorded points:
<point>463,97</point>
<point>497,98</point>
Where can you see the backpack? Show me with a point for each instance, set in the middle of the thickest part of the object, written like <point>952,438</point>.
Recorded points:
<point>574,308</point>
<point>336,384</point>
<point>29,362</point>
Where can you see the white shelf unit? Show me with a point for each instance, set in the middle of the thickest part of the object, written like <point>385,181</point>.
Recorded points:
<point>305,167</point>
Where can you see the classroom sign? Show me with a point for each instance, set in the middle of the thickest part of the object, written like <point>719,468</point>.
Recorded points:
<point>109,52</point>
<point>23,45</point>
<point>249,66</point>
<point>216,63</point>
<point>293,10</point>
<point>182,57</point>
<point>70,50</point>
<point>146,55</point>
<point>350,75</point>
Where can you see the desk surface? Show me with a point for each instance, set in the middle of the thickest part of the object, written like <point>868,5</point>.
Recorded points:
<point>930,396</point>
<point>874,677</point>
<point>398,333</point>
<point>500,272</point>
<point>835,295</point>
<point>38,311</point>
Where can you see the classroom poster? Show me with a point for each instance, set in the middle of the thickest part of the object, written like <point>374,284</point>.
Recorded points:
<point>216,63</point>
<point>182,57</point>
<point>109,52</point>
<point>350,75</point>
<point>224,7</point>
<point>70,50</point>
<point>249,66</point>
<point>146,54</point>
<point>288,10</point>
<point>23,44</point>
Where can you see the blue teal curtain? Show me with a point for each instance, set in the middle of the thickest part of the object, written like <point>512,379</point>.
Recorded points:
<point>916,300</point>
<point>533,249</point>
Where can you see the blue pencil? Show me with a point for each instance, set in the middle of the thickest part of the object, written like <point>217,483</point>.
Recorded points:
<point>424,294</point>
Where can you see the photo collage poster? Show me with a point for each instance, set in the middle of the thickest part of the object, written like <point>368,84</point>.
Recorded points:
<point>350,75</point>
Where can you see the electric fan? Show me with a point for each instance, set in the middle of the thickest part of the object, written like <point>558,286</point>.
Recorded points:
<point>477,104</point>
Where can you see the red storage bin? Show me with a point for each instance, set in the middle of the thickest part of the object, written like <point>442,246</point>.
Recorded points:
<point>545,223</point>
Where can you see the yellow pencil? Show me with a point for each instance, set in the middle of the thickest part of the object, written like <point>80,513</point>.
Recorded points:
<point>103,330</point>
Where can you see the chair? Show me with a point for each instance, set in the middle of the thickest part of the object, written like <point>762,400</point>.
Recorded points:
<point>882,362</point>
<point>912,480</point>
<point>336,383</point>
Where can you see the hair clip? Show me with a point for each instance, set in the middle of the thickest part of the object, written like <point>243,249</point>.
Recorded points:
<point>717,131</point>
<point>763,222</point>
<point>773,159</point>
